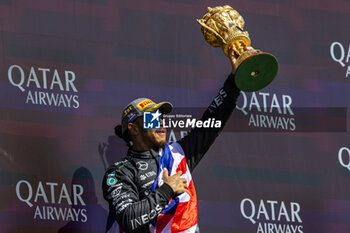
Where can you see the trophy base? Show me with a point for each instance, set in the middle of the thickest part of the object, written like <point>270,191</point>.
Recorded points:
<point>256,72</point>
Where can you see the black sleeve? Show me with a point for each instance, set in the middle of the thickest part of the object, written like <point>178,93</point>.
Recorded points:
<point>131,213</point>
<point>198,141</point>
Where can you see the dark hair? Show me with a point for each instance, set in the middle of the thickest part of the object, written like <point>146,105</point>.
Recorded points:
<point>125,136</point>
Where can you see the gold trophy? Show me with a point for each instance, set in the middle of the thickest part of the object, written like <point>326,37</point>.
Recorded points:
<point>222,27</point>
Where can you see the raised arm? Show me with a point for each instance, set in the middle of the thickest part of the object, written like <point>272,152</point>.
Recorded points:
<point>198,141</point>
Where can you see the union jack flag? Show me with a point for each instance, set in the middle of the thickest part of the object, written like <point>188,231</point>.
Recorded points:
<point>181,214</point>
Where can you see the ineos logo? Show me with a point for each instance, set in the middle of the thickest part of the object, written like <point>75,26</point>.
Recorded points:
<point>142,165</point>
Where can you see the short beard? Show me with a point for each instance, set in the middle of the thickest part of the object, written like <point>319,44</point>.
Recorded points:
<point>158,145</point>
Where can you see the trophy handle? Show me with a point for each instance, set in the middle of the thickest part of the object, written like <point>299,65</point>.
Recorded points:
<point>212,30</point>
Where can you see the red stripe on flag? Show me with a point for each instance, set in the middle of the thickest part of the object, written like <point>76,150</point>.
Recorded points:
<point>162,221</point>
<point>186,214</point>
<point>182,166</point>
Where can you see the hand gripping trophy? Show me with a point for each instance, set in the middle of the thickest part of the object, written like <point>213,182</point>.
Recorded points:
<point>222,27</point>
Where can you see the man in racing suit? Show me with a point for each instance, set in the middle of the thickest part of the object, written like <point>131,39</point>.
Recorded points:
<point>144,192</point>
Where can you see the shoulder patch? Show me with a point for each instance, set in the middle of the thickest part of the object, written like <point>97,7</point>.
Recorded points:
<point>111,179</point>
<point>121,164</point>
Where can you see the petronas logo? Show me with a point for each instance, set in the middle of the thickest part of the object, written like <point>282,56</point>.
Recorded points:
<point>111,180</point>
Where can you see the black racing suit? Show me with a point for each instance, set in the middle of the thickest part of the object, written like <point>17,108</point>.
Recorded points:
<point>127,183</point>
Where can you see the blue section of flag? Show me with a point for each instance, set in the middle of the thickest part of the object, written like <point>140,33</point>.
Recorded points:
<point>166,160</point>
